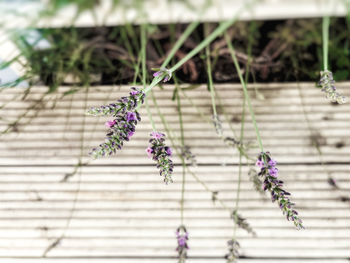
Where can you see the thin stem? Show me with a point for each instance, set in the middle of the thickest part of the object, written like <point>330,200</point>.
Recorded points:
<point>205,118</point>
<point>191,27</point>
<point>143,54</point>
<point>200,112</point>
<point>241,140</point>
<point>182,145</point>
<point>144,72</point>
<point>239,169</point>
<point>210,79</point>
<point>182,136</point>
<point>325,37</point>
<point>137,69</point>
<point>227,119</point>
<point>149,114</point>
<point>218,31</point>
<point>246,94</point>
<point>183,190</point>
<point>171,138</point>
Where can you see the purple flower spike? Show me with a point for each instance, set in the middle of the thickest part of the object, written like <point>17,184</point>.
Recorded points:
<point>124,124</point>
<point>131,116</point>
<point>182,246</point>
<point>168,151</point>
<point>130,134</point>
<point>233,251</point>
<point>110,124</point>
<point>274,186</point>
<point>157,74</point>
<point>157,135</point>
<point>166,78</point>
<point>162,72</point>
<point>327,86</point>
<point>260,163</point>
<point>272,162</point>
<point>273,172</point>
<point>149,152</point>
<point>161,154</point>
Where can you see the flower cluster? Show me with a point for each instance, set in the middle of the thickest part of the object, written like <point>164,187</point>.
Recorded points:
<point>242,222</point>
<point>327,85</point>
<point>217,124</point>
<point>182,246</point>
<point>161,154</point>
<point>269,172</point>
<point>233,254</point>
<point>122,127</point>
<point>188,155</point>
<point>162,72</point>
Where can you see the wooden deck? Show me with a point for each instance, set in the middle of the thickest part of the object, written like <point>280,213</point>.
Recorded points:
<point>118,210</point>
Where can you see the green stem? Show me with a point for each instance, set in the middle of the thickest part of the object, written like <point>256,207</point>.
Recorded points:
<point>218,31</point>
<point>149,114</point>
<point>241,140</point>
<point>325,37</point>
<point>179,42</point>
<point>143,54</point>
<point>239,168</point>
<point>210,79</point>
<point>171,138</point>
<point>144,71</point>
<point>180,115</point>
<point>199,111</point>
<point>246,94</point>
<point>182,145</point>
<point>183,190</point>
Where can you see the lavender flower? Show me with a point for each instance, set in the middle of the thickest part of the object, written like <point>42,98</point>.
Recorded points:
<point>162,72</point>
<point>182,246</point>
<point>187,155</point>
<point>233,254</point>
<point>217,124</point>
<point>327,85</point>
<point>161,154</point>
<point>122,127</point>
<point>242,222</point>
<point>270,173</point>
<point>110,124</point>
<point>123,105</point>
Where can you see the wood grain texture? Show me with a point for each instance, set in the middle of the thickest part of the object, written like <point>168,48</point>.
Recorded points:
<point>120,209</point>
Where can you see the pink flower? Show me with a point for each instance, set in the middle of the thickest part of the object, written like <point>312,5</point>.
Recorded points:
<point>130,133</point>
<point>131,116</point>
<point>157,135</point>
<point>110,124</point>
<point>272,162</point>
<point>168,151</point>
<point>273,172</point>
<point>157,74</point>
<point>149,152</point>
<point>260,163</point>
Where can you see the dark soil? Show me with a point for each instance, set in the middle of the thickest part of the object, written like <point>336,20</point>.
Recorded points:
<point>280,51</point>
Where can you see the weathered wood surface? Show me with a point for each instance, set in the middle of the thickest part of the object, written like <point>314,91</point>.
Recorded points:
<point>119,207</point>
<point>165,12</point>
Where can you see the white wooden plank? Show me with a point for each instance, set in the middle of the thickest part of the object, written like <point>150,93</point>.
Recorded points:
<point>112,216</point>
